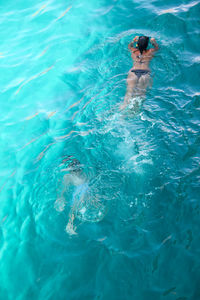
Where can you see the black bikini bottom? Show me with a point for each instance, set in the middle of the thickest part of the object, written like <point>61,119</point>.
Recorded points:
<point>139,73</point>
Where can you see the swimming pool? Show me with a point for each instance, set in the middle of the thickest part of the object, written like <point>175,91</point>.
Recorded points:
<point>63,77</point>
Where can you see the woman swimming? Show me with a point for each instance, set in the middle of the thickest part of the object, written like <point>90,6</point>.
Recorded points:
<point>84,202</point>
<point>139,75</point>
<point>74,177</point>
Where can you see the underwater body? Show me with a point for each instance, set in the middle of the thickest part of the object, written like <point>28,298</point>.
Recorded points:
<point>95,202</point>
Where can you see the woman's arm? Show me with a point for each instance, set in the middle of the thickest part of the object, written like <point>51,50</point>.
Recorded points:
<point>131,45</point>
<point>154,44</point>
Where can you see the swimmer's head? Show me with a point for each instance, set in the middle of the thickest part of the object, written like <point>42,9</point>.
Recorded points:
<point>143,43</point>
<point>73,165</point>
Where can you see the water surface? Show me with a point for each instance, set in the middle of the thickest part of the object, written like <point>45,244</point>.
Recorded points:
<point>63,77</point>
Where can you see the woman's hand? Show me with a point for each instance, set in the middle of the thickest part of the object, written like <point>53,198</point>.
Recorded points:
<point>153,41</point>
<point>154,44</point>
<point>135,39</point>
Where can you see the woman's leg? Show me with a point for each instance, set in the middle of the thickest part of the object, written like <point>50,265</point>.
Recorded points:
<point>143,83</point>
<point>132,81</point>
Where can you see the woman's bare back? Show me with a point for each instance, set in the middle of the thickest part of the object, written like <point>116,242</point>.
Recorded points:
<point>141,61</point>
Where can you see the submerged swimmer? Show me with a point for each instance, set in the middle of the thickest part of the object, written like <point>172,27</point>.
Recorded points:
<point>139,75</point>
<point>84,202</point>
<point>75,177</point>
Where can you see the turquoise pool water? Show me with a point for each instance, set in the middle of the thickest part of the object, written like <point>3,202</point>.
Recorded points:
<point>135,210</point>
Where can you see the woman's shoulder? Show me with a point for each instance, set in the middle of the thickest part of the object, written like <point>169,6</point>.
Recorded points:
<point>134,50</point>
<point>147,51</point>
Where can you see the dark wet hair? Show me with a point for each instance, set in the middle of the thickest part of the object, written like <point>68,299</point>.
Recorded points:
<point>73,164</point>
<point>143,43</point>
